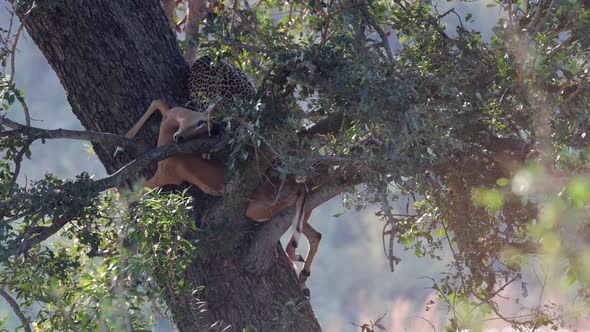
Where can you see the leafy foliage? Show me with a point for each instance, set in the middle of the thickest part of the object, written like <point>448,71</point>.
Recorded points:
<point>108,276</point>
<point>486,139</point>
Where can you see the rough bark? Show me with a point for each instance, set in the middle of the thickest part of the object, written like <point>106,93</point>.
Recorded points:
<point>113,58</point>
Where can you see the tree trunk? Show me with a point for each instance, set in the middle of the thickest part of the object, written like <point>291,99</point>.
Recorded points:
<point>113,58</point>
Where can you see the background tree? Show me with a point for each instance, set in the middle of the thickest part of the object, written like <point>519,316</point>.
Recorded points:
<point>466,128</point>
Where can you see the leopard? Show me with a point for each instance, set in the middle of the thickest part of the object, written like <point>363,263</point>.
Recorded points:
<point>210,79</point>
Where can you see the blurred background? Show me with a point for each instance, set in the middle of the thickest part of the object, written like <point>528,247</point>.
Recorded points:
<point>351,281</point>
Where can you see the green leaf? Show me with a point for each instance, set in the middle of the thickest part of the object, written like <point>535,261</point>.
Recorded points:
<point>502,182</point>
<point>579,191</point>
<point>489,198</point>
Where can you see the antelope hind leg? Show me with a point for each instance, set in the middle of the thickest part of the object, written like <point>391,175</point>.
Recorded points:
<point>313,237</point>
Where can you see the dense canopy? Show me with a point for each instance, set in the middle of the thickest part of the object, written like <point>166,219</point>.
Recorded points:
<point>485,138</point>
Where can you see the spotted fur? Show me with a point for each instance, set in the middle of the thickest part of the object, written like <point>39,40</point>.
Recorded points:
<point>210,79</point>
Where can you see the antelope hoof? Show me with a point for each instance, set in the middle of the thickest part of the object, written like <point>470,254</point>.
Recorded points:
<point>303,275</point>
<point>306,292</point>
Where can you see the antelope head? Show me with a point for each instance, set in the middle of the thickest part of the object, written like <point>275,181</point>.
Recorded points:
<point>192,123</point>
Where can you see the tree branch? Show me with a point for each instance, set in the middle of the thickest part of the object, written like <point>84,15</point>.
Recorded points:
<point>384,41</point>
<point>331,124</point>
<point>36,235</point>
<point>13,51</point>
<point>92,136</point>
<point>157,154</point>
<point>42,233</point>
<point>21,316</point>
<point>18,160</point>
<point>534,23</point>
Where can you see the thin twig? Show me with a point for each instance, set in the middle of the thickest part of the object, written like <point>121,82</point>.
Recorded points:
<point>23,104</point>
<point>427,321</point>
<point>532,26</point>
<point>494,308</point>
<point>392,222</point>
<point>236,43</point>
<point>541,294</point>
<point>10,24</point>
<point>267,143</point>
<point>495,293</point>
<point>18,160</point>
<point>12,51</point>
